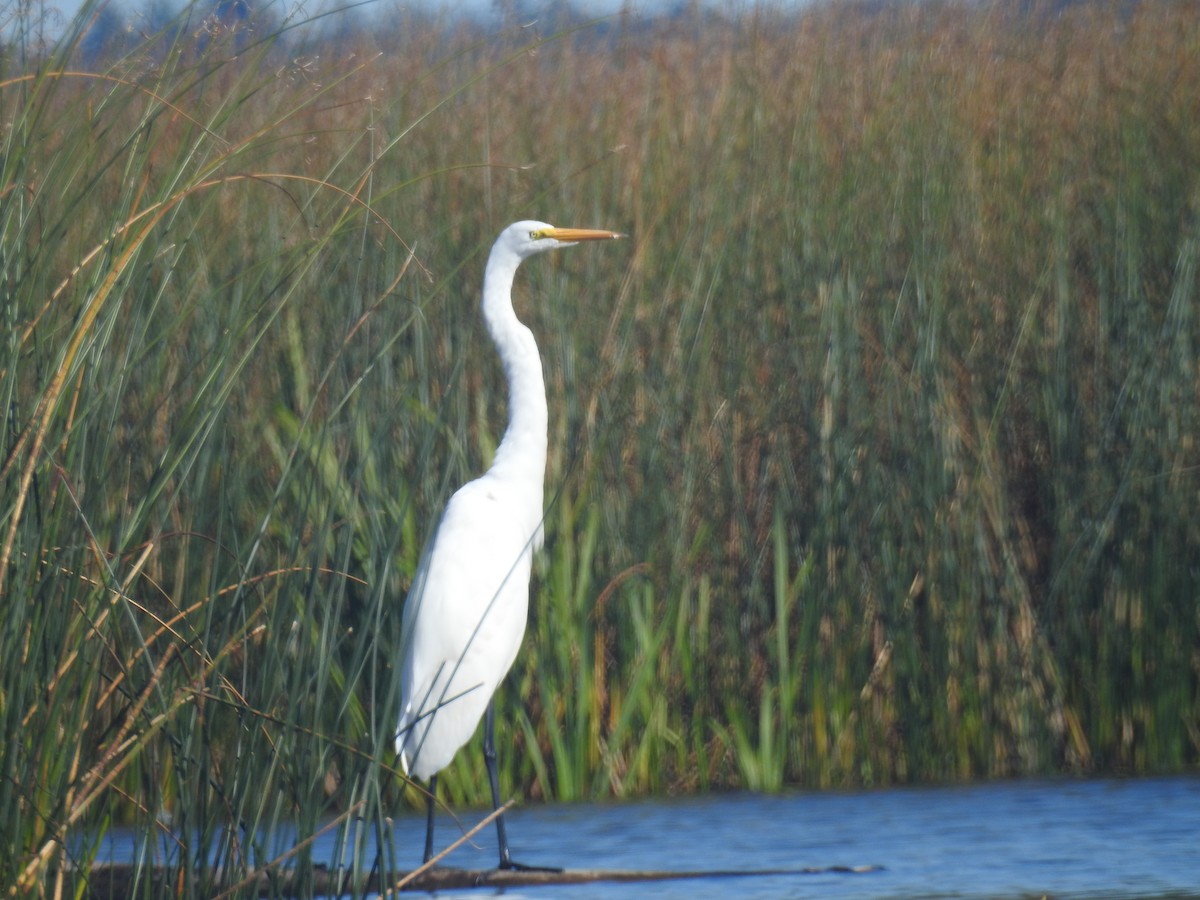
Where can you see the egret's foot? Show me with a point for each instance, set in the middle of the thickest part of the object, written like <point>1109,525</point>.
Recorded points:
<point>514,866</point>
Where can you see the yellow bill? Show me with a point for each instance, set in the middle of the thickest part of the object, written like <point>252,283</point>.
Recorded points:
<point>580,234</point>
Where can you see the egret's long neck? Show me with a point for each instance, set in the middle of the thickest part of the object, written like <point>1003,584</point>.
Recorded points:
<point>522,452</point>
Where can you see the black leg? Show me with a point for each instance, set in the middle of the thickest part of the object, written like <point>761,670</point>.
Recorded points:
<point>429,817</point>
<point>489,757</point>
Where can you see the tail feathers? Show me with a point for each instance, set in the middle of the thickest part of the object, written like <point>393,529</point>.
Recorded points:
<point>402,740</point>
<point>402,727</point>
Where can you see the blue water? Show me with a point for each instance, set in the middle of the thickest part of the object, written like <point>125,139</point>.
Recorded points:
<point>1096,839</point>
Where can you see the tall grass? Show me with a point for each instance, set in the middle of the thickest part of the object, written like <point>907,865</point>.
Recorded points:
<point>873,459</point>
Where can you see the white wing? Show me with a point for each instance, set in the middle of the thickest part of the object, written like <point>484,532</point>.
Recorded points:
<point>464,619</point>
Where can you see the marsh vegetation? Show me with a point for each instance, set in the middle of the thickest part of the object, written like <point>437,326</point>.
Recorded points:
<point>874,455</point>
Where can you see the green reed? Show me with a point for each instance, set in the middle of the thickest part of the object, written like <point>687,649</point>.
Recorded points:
<point>873,452</point>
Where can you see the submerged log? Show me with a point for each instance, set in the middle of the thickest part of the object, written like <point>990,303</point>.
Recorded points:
<point>108,882</point>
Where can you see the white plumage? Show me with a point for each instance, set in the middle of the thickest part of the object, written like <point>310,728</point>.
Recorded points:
<point>467,607</point>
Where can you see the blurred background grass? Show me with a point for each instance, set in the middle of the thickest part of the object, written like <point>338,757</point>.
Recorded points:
<point>873,453</point>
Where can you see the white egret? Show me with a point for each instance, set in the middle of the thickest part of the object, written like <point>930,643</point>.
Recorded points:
<point>467,607</point>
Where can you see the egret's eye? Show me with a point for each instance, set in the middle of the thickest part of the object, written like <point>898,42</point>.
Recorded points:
<point>535,235</point>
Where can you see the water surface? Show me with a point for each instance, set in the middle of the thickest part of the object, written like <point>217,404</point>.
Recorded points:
<point>1020,839</point>
<point>1136,838</point>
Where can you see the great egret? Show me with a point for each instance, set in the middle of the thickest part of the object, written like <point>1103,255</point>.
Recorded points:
<point>466,610</point>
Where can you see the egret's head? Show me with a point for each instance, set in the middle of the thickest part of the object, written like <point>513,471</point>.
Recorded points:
<point>530,237</point>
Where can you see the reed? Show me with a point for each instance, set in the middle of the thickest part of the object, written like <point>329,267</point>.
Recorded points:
<point>875,459</point>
